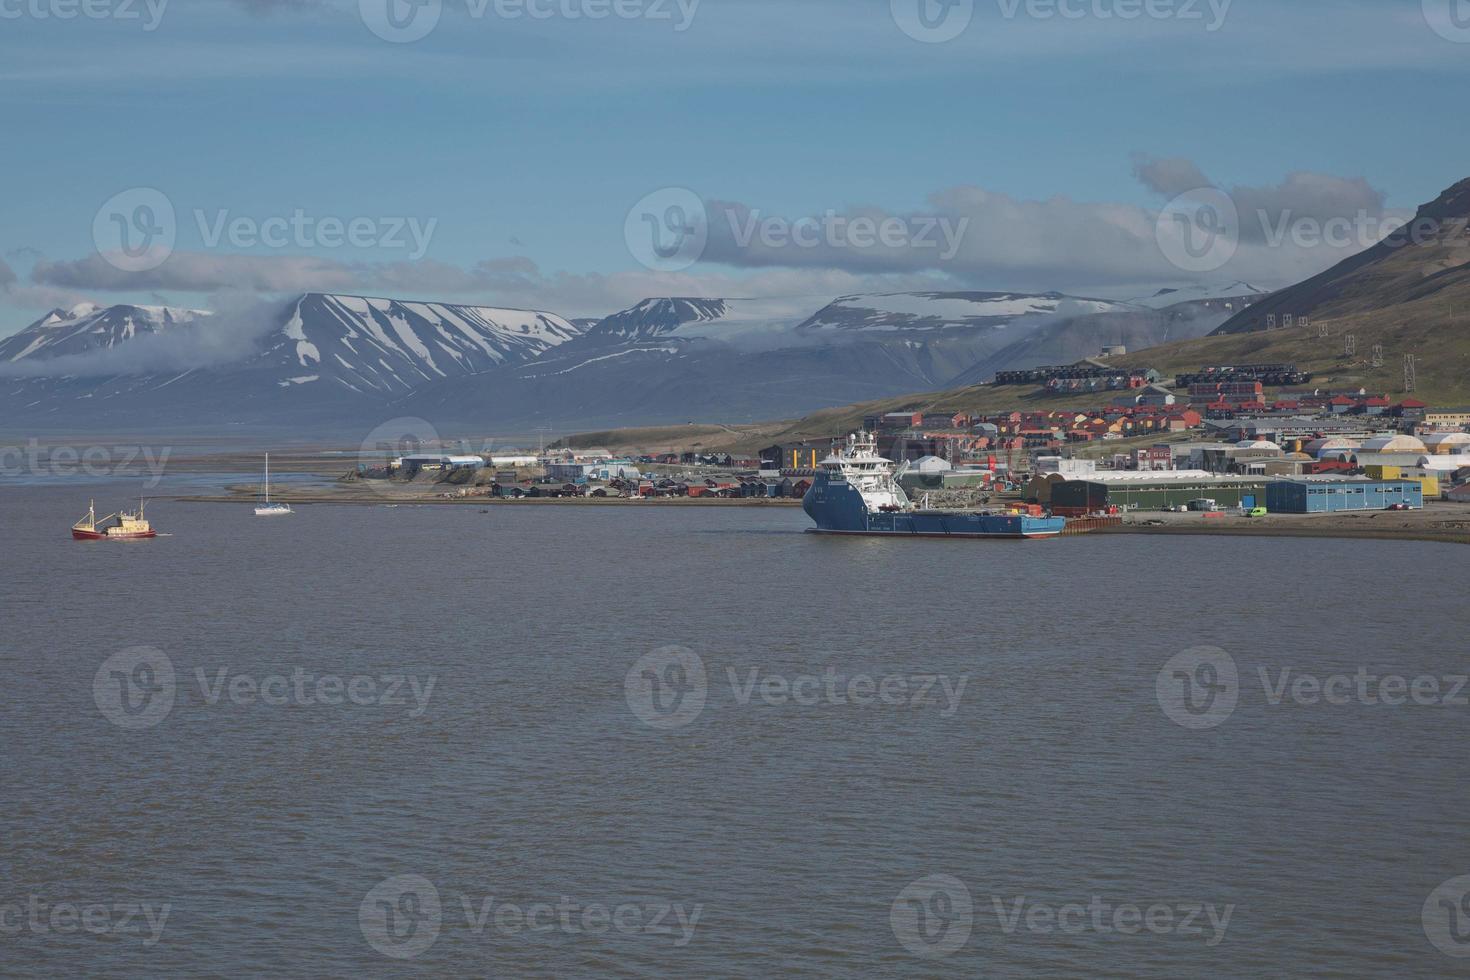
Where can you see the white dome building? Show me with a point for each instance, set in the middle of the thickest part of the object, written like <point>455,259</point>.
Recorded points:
<point>1445,443</point>
<point>1256,447</point>
<point>1332,445</point>
<point>1393,444</point>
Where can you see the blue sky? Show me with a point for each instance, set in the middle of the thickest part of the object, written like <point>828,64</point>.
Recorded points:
<point>526,141</point>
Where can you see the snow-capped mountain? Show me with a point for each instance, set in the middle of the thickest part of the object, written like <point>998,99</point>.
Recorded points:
<point>321,356</point>
<point>391,347</point>
<point>328,362</point>
<point>676,358</point>
<point>948,311</point>
<point>88,327</point>
<point>691,317</point>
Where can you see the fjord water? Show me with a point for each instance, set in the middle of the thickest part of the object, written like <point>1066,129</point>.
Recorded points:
<point>528,777</point>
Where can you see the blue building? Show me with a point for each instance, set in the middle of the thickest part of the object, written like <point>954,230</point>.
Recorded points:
<point>1330,496</point>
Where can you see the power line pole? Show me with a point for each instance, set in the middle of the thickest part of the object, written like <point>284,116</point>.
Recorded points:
<point>1378,355</point>
<point>1350,345</point>
<point>1411,373</point>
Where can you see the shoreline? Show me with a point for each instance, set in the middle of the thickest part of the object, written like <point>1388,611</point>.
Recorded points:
<point>1443,524</point>
<point>1437,535</point>
<point>370,498</point>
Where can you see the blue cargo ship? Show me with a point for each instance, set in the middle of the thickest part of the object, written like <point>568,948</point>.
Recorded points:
<point>855,493</point>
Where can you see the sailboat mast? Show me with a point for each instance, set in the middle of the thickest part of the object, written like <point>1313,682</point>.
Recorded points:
<point>267,477</point>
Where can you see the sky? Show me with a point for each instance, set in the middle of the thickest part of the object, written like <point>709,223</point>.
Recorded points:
<point>580,155</point>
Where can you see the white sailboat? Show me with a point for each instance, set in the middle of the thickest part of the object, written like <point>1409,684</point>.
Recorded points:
<point>266,508</point>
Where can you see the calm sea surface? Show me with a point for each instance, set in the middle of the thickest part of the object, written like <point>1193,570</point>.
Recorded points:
<point>572,798</point>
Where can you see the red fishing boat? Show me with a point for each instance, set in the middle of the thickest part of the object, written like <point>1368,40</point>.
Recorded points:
<point>128,526</point>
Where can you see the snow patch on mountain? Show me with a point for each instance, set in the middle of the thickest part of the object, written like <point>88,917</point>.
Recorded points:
<point>948,310</point>
<point>1199,293</point>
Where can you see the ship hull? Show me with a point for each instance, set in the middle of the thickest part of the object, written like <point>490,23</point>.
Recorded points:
<point>1002,535</point>
<point>837,508</point>
<point>103,536</point>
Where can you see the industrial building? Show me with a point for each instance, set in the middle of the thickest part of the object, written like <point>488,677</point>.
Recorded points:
<point>435,462</point>
<point>1321,496</point>
<point>1154,491</point>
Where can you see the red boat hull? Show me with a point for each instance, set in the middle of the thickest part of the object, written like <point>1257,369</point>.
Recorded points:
<point>100,536</point>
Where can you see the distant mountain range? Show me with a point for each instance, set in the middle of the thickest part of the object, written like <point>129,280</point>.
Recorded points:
<point>87,328</point>
<point>324,362</point>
